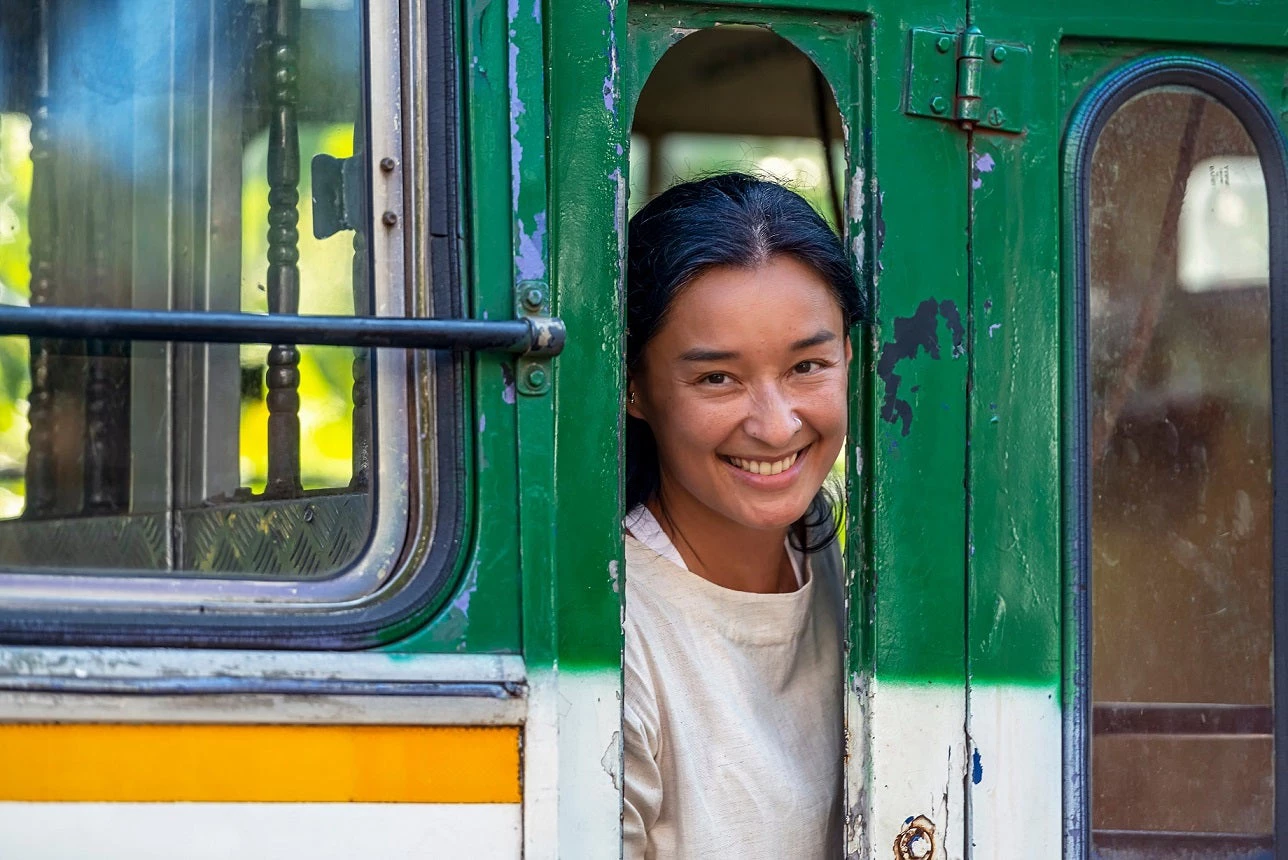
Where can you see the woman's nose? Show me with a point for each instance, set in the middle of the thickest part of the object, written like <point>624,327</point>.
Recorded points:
<point>772,419</point>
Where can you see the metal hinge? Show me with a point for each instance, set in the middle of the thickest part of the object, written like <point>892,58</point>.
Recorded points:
<point>964,78</point>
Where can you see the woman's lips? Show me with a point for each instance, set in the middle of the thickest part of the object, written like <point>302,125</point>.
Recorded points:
<point>768,472</point>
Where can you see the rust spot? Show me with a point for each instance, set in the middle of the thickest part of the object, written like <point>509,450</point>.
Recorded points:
<point>916,841</point>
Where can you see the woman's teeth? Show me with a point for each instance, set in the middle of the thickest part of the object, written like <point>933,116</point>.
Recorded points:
<point>764,467</point>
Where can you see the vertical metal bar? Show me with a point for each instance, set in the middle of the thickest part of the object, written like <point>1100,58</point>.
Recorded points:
<point>43,231</point>
<point>361,307</point>
<point>107,392</point>
<point>97,393</point>
<point>283,377</point>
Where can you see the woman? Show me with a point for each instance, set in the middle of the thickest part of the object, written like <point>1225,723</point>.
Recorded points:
<point>739,303</point>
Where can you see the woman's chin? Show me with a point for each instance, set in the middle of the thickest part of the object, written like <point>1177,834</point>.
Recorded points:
<point>775,518</point>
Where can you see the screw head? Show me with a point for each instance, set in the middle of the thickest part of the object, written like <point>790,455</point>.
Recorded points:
<point>387,164</point>
<point>939,104</point>
<point>389,219</point>
<point>999,54</point>
<point>943,44</point>
<point>996,117</point>
<point>536,377</point>
<point>532,298</point>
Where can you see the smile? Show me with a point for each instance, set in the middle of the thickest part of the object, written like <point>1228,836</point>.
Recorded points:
<point>764,467</point>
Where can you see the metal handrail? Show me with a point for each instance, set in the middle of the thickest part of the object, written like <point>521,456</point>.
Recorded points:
<point>536,336</point>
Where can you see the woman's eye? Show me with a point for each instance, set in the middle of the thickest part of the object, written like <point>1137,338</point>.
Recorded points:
<point>807,367</point>
<point>715,378</point>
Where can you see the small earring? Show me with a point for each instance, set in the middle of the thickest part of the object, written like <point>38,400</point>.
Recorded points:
<point>799,423</point>
<point>630,398</point>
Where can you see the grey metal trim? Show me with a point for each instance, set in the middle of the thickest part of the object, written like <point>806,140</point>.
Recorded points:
<point>141,664</point>
<point>259,686</point>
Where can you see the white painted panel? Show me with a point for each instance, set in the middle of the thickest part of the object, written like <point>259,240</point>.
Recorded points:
<point>918,764</point>
<point>572,765</point>
<point>247,831</point>
<point>1015,772</point>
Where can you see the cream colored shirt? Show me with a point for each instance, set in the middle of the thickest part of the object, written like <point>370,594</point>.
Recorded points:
<point>732,719</point>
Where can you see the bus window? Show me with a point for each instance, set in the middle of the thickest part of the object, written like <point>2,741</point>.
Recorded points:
<point>1182,625</point>
<point>203,156</point>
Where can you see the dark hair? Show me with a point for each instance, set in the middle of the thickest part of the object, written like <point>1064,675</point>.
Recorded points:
<point>727,220</point>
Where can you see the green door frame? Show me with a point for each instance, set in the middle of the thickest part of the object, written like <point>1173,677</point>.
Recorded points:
<point>906,202</point>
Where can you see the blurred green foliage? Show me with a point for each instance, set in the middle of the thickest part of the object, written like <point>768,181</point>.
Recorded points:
<point>15,281</point>
<point>796,162</point>
<point>326,277</point>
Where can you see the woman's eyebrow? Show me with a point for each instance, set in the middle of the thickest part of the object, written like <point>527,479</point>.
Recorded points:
<point>821,337</point>
<point>699,353</point>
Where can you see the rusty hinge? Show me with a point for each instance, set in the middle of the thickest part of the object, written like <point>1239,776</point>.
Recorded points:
<point>964,78</point>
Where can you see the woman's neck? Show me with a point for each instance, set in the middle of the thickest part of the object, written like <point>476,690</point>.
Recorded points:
<point>722,551</point>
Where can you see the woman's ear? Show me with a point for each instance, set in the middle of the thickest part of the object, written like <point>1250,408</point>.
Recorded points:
<point>849,350</point>
<point>632,401</point>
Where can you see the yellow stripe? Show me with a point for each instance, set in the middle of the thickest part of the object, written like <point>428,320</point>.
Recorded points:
<point>416,764</point>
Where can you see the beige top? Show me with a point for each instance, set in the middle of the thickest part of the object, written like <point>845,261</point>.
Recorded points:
<point>733,723</point>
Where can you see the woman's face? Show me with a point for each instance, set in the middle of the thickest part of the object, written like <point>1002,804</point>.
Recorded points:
<point>744,387</point>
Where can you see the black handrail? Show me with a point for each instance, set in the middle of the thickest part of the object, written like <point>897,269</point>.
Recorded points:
<point>538,336</point>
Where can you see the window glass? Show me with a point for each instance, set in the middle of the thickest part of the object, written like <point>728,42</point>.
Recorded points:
<point>184,155</point>
<point>1181,492</point>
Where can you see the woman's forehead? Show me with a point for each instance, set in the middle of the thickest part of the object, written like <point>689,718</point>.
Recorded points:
<point>782,300</point>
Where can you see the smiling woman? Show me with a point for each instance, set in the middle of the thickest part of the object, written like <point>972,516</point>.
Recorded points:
<point>740,299</point>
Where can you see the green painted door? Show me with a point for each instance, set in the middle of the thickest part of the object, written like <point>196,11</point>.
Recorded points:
<point>1125,677</point>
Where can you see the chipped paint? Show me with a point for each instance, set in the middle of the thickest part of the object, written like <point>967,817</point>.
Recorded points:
<point>878,220</point>
<point>508,389</point>
<point>857,770</point>
<point>858,198</point>
<point>462,601</point>
<point>613,76</point>
<point>858,249</point>
<point>517,109</point>
<point>613,577</point>
<point>983,164</point>
<point>618,178</point>
<point>530,260</point>
<point>976,768</point>
<point>611,761</point>
<point>913,335</point>
<point>993,330</point>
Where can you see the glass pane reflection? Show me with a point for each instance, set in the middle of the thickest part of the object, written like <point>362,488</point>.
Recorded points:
<point>1182,700</point>
<point>183,155</point>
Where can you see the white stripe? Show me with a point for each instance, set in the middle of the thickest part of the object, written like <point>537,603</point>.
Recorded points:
<point>590,764</point>
<point>918,764</point>
<point>1016,731</point>
<point>283,831</point>
<point>572,756</point>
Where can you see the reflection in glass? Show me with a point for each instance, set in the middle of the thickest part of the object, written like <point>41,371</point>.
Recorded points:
<point>1179,352</point>
<point>182,155</point>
